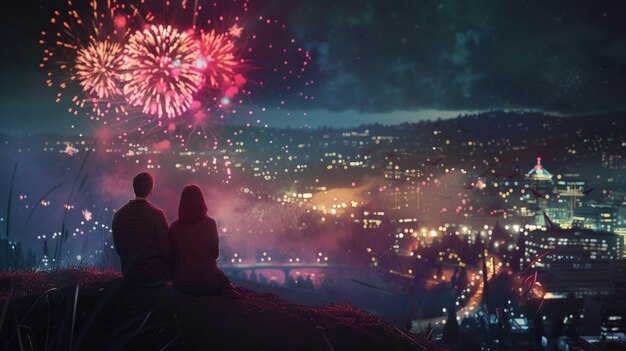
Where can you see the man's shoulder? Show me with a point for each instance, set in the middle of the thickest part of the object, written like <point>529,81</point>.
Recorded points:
<point>154,208</point>
<point>134,206</point>
<point>121,210</point>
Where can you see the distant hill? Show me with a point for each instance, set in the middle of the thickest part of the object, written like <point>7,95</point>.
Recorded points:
<point>488,120</point>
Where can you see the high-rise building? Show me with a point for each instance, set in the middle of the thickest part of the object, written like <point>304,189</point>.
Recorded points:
<point>572,187</point>
<point>584,278</point>
<point>620,228</point>
<point>576,261</point>
<point>560,211</point>
<point>621,216</point>
<point>570,192</point>
<point>540,181</point>
<point>597,217</point>
<point>575,244</point>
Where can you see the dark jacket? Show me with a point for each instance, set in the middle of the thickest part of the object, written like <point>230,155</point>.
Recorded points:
<point>141,238</point>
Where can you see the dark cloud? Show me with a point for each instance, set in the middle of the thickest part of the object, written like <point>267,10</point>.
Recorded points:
<point>566,56</point>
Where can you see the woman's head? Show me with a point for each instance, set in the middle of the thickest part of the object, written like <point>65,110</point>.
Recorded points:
<point>192,207</point>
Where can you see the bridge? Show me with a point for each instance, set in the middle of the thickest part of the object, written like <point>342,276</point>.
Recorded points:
<point>236,269</point>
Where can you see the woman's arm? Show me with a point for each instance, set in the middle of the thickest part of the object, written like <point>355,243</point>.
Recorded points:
<point>214,239</point>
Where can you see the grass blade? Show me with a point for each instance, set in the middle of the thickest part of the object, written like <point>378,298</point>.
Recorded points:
<point>372,286</point>
<point>19,335</point>
<point>330,346</point>
<point>20,324</point>
<point>94,312</point>
<point>170,343</point>
<point>143,323</point>
<point>43,197</point>
<point>409,338</point>
<point>82,183</point>
<point>8,224</point>
<point>73,318</point>
<point>6,304</point>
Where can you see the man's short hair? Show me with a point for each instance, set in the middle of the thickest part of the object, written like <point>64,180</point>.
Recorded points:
<point>142,184</point>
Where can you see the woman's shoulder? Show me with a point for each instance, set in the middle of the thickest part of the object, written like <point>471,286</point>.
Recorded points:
<point>209,220</point>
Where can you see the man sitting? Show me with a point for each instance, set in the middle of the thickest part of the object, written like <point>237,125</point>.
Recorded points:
<point>141,237</point>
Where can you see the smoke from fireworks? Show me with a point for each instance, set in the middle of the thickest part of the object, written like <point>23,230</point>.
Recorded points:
<point>163,75</point>
<point>99,68</point>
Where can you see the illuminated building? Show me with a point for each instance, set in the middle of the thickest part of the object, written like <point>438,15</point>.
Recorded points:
<point>576,244</point>
<point>401,189</point>
<point>372,219</point>
<point>538,173</point>
<point>621,223</point>
<point>571,187</point>
<point>403,197</point>
<point>580,261</point>
<point>406,234</point>
<point>560,212</point>
<point>587,278</point>
<point>621,216</point>
<point>597,217</point>
<point>540,180</point>
<point>570,194</point>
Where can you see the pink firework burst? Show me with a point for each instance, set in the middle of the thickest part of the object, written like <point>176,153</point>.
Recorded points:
<point>99,68</point>
<point>162,71</point>
<point>218,58</point>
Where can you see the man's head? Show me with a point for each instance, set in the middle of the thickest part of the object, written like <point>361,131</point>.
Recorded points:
<point>143,183</point>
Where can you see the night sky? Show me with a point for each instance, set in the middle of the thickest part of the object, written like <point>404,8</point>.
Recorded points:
<point>393,61</point>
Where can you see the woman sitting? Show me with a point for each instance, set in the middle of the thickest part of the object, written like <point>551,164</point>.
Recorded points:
<point>195,246</point>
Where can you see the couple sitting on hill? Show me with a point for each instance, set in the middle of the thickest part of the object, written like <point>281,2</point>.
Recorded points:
<point>151,251</point>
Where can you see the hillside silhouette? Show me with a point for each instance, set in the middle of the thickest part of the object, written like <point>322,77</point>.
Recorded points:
<point>103,313</point>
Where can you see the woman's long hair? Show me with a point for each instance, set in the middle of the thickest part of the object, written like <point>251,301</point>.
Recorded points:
<point>192,207</point>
